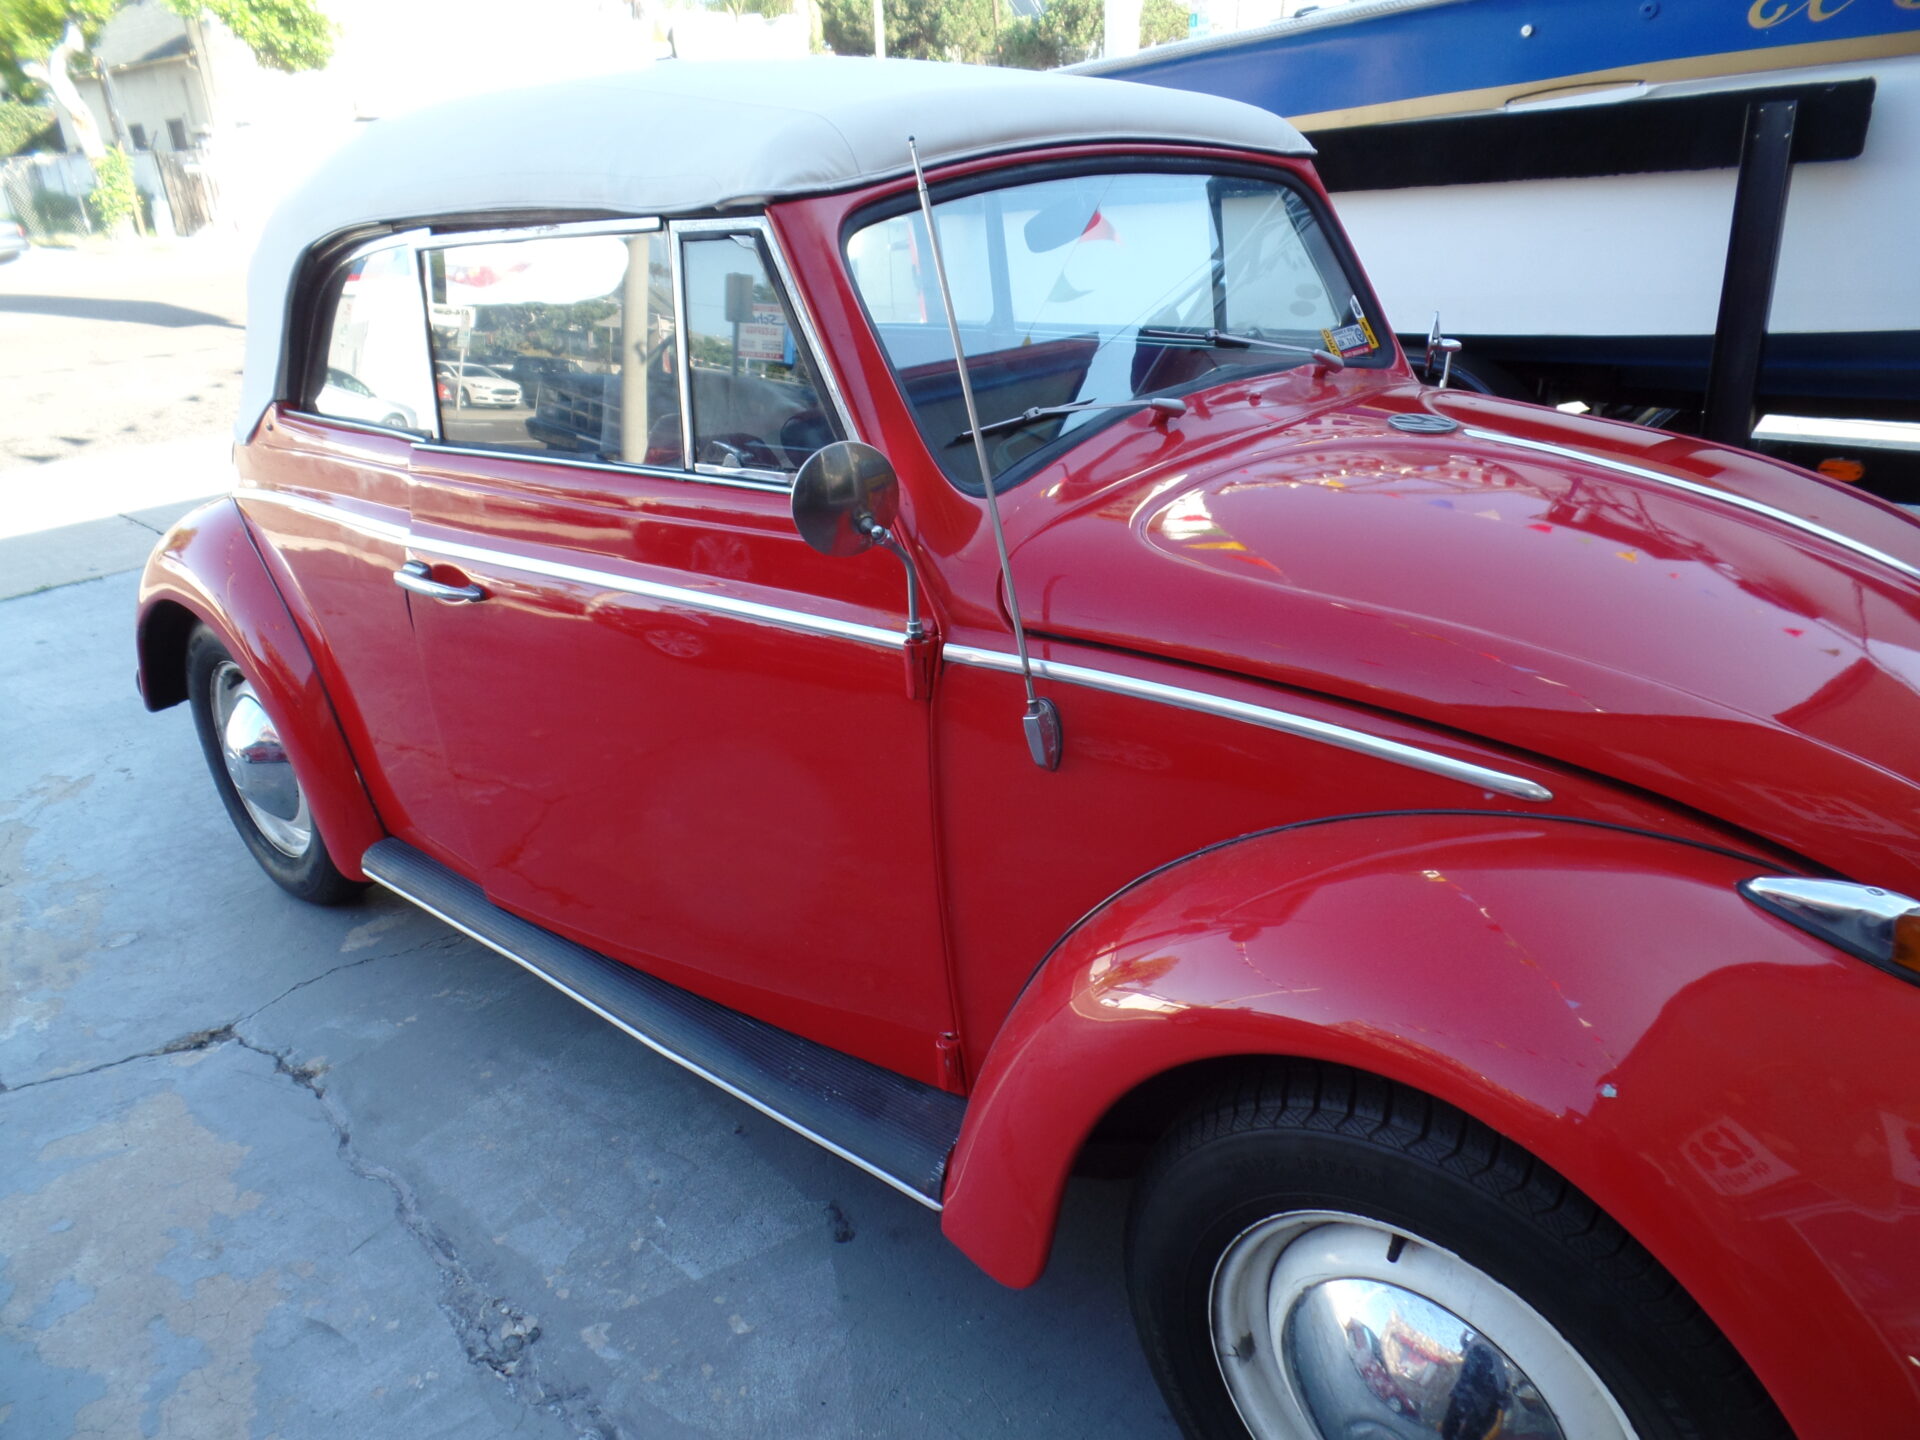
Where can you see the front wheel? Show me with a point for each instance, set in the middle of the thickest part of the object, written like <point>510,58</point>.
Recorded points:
<point>263,796</point>
<point>1321,1254</point>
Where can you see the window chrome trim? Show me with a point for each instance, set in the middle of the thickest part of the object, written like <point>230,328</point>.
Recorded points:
<point>1695,487</point>
<point>368,426</point>
<point>410,240</point>
<point>605,467</point>
<point>706,600</point>
<point>509,234</point>
<point>1302,726</point>
<point>661,1048</point>
<point>758,478</point>
<point>809,331</point>
<point>676,277</point>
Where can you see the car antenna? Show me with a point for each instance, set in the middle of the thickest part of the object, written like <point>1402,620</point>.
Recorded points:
<point>1041,722</point>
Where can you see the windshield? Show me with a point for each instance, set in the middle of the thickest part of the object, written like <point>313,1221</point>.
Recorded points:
<point>1054,281</point>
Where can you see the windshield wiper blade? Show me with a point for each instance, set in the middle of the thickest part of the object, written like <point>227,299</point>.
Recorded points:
<point>1164,404</point>
<point>1232,340</point>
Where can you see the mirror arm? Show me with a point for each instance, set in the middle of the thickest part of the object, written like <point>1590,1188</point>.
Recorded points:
<point>918,651</point>
<point>885,539</point>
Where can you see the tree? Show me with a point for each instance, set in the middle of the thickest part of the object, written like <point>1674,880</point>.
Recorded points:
<point>916,29</point>
<point>1065,33</point>
<point>1162,22</point>
<point>44,42</point>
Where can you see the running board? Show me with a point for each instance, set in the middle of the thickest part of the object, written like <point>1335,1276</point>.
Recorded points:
<point>895,1129</point>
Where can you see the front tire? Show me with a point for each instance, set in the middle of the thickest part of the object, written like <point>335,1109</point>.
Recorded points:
<point>239,739</point>
<point>1322,1253</point>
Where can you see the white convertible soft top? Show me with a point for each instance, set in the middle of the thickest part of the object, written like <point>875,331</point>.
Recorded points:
<point>681,137</point>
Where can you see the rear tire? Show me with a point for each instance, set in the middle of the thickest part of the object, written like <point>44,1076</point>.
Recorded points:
<point>277,829</point>
<point>1275,1220</point>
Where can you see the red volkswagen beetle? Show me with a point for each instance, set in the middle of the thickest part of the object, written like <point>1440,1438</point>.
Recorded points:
<point>976,642</point>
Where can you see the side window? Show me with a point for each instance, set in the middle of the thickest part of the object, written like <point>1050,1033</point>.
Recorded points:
<point>376,369</point>
<point>558,345</point>
<point>758,408</point>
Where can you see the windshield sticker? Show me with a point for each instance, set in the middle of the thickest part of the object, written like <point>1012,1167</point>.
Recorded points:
<point>1354,339</point>
<point>1354,308</point>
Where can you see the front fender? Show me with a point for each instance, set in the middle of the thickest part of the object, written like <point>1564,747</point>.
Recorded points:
<point>207,568</point>
<point>1736,1094</point>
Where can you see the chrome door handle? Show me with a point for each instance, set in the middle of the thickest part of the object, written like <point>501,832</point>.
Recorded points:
<point>414,576</point>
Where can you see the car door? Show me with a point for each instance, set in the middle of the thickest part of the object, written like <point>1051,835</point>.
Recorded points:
<point>325,487</point>
<point>680,736</point>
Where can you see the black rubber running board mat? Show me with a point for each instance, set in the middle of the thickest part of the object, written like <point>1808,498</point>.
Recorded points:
<point>894,1128</point>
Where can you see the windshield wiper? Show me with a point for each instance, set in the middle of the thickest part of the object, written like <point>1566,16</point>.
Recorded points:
<point>1164,404</point>
<point>1231,340</point>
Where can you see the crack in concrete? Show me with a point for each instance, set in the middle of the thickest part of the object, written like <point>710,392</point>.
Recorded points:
<point>202,1039</point>
<point>179,1045</point>
<point>495,1334</point>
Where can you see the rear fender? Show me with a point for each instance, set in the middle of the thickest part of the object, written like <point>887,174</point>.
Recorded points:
<point>1734,1093</point>
<point>207,569</point>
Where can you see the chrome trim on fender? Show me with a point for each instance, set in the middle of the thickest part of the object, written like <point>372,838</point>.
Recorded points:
<point>660,1049</point>
<point>584,575</point>
<point>1300,725</point>
<point>1709,492</point>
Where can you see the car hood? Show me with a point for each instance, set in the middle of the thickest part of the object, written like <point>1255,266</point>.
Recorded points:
<point>1541,580</point>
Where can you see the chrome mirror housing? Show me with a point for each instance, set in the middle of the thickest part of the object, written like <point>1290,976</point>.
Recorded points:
<point>845,498</point>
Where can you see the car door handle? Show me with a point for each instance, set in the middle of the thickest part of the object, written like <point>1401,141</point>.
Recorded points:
<point>414,576</point>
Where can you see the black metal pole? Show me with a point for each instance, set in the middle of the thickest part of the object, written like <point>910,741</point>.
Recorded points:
<point>1753,254</point>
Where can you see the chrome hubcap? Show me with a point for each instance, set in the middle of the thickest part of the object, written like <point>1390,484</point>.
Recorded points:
<point>257,764</point>
<point>1334,1327</point>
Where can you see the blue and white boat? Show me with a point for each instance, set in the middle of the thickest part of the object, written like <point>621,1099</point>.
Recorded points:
<point>1556,178</point>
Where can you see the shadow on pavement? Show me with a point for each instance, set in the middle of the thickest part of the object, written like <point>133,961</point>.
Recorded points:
<point>133,312</point>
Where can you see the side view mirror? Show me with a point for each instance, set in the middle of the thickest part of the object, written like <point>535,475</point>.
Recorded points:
<point>843,495</point>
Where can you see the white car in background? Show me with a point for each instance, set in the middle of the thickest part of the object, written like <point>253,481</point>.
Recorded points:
<point>349,397</point>
<point>476,385</point>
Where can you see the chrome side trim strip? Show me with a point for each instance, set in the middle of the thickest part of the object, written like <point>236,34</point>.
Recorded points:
<point>583,575</point>
<point>663,1051</point>
<point>670,594</point>
<point>1300,725</point>
<point>1694,487</point>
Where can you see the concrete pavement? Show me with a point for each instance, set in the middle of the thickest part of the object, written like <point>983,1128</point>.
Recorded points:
<point>100,513</point>
<point>267,1170</point>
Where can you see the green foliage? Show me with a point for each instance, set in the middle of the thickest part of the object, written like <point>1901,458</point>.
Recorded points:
<point>1065,33</point>
<point>768,8</point>
<point>20,124</point>
<point>113,201</point>
<point>282,34</point>
<point>289,35</point>
<point>29,29</point>
<point>916,29</point>
<point>1162,22</point>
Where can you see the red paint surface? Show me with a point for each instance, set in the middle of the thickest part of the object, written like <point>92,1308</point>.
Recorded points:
<point>771,819</point>
<point>1513,968</point>
<point>209,566</point>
